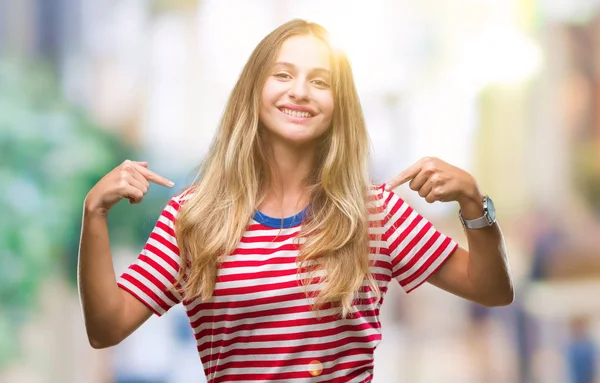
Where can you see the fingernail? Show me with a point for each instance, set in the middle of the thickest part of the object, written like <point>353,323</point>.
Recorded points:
<point>171,184</point>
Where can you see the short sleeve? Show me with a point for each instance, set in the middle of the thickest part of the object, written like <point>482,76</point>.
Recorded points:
<point>417,249</point>
<point>150,277</point>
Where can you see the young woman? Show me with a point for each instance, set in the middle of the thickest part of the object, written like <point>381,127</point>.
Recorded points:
<point>282,250</point>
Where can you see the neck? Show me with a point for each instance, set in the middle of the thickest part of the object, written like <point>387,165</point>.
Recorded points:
<point>290,169</point>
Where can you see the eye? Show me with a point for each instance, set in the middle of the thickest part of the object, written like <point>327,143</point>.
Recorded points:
<point>282,75</point>
<point>321,83</point>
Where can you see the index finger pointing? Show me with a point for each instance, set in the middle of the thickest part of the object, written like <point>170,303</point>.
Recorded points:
<point>404,176</point>
<point>153,177</point>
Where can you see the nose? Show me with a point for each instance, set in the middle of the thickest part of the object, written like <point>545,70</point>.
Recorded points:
<point>298,89</point>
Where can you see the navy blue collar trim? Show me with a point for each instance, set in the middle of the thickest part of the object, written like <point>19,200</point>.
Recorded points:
<point>277,223</point>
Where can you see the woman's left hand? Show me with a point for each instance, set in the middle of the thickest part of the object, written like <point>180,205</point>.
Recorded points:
<point>436,180</point>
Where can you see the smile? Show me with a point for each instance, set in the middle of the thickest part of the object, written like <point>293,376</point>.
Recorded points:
<point>296,113</point>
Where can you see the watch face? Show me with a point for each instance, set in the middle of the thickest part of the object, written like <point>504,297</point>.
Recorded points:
<point>490,208</point>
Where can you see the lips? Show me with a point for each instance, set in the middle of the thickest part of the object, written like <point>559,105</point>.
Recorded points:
<point>297,110</point>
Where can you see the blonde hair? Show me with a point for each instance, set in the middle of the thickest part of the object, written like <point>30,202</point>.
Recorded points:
<point>233,178</point>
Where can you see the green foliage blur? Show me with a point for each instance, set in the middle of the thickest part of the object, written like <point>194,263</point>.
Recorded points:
<point>51,155</point>
<point>586,170</point>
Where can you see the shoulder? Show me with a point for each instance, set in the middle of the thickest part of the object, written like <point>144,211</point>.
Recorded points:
<point>389,209</point>
<point>173,205</point>
<point>181,198</point>
<point>379,197</point>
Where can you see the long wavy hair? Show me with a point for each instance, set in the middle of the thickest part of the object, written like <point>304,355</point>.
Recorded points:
<point>233,178</point>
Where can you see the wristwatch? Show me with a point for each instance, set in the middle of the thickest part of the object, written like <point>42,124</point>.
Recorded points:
<point>488,218</point>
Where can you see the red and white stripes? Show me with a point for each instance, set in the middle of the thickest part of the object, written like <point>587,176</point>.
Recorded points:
<point>259,326</point>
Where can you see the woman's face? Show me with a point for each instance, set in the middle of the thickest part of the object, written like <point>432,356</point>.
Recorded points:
<point>297,101</point>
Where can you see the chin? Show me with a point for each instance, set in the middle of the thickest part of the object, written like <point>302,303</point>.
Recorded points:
<point>304,136</point>
<point>300,141</point>
<point>295,135</point>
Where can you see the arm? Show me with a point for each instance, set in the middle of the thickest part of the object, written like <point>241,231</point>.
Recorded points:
<point>480,274</point>
<point>110,313</point>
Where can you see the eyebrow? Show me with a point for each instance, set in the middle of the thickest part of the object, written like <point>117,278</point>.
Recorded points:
<point>292,66</point>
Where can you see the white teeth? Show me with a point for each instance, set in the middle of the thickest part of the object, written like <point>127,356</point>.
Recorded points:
<point>296,113</point>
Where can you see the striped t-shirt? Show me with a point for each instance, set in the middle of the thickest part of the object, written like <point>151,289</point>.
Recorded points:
<point>259,326</point>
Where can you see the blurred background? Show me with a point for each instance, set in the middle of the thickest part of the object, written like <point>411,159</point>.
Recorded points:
<point>506,89</point>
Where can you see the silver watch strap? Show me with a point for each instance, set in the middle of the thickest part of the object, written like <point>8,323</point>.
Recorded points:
<point>477,223</point>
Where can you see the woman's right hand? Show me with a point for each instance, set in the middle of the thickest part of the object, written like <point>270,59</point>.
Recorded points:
<point>129,180</point>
